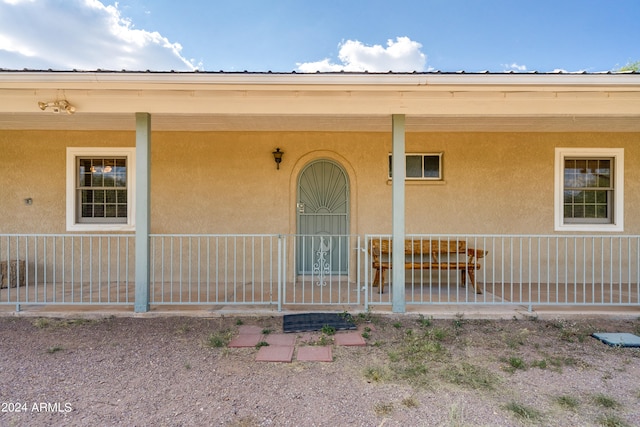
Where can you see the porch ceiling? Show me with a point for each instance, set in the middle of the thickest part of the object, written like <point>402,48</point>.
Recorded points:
<point>322,123</point>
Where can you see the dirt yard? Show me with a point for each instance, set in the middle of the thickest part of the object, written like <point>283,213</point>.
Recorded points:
<point>177,371</point>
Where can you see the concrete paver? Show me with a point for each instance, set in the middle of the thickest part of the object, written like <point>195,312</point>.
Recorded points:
<point>349,339</point>
<point>280,339</point>
<point>275,353</point>
<point>315,354</point>
<point>245,340</point>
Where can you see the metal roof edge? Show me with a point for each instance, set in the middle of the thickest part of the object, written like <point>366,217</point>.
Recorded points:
<point>324,78</point>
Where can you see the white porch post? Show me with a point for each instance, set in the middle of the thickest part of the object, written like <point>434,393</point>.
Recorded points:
<point>143,163</point>
<point>398,208</point>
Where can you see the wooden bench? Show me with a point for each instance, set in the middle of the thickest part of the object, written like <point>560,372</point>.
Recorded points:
<point>428,255</point>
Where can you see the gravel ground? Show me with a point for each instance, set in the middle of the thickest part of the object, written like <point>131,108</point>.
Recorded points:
<point>135,371</point>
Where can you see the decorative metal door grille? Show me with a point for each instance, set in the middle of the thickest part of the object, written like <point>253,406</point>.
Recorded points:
<point>323,220</point>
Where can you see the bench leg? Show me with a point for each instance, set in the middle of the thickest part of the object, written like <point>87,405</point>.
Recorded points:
<point>378,279</point>
<point>472,279</point>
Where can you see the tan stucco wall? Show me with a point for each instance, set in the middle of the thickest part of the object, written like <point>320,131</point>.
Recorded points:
<point>504,182</point>
<point>33,165</point>
<point>227,182</point>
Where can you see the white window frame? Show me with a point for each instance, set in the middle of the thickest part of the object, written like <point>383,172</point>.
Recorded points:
<point>617,219</point>
<point>423,178</point>
<point>72,176</point>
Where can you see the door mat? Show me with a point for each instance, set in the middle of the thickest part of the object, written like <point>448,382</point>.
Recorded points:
<point>621,339</point>
<point>316,321</point>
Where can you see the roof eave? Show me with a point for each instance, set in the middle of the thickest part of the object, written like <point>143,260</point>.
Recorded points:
<point>92,78</point>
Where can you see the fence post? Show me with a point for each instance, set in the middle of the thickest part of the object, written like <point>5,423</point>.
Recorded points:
<point>279,284</point>
<point>365,287</point>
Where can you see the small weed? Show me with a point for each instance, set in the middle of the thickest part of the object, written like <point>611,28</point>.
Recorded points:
<point>542,364</point>
<point>439,334</point>
<point>611,420</point>
<point>605,401</point>
<point>366,316</point>
<point>558,362</point>
<point>458,322</point>
<point>376,374</point>
<point>262,344</point>
<point>397,325</point>
<point>76,322</point>
<point>239,322</point>
<point>523,412</point>
<point>266,331</point>
<point>54,349</point>
<point>410,402</point>
<point>328,330</point>
<point>383,409</point>
<point>471,376</point>
<point>244,422</point>
<point>347,317</point>
<point>323,340</point>
<point>424,322</point>
<point>366,335</point>
<point>219,339</point>
<point>416,374</point>
<point>514,363</point>
<point>571,332</point>
<point>187,366</point>
<point>567,401</point>
<point>183,328</point>
<point>514,342</point>
<point>42,323</point>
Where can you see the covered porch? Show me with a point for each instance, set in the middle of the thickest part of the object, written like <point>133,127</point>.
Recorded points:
<point>365,123</point>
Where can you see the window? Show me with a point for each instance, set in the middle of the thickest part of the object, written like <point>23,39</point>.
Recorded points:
<point>421,166</point>
<point>100,188</point>
<point>589,189</point>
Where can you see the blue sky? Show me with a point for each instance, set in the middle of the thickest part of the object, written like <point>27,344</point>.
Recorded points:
<point>327,35</point>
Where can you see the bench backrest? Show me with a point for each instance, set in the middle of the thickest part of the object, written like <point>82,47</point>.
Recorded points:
<point>425,248</point>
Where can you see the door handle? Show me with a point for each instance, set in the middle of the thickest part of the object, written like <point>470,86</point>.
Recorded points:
<point>300,207</point>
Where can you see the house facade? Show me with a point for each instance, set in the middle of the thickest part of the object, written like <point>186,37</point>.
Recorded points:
<point>159,170</point>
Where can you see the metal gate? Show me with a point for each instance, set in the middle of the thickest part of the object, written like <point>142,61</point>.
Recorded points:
<point>323,219</point>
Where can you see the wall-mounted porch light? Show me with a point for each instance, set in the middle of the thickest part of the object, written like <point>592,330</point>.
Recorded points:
<point>57,106</point>
<point>277,156</point>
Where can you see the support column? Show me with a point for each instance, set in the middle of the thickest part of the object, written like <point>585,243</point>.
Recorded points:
<point>398,214</point>
<point>142,215</point>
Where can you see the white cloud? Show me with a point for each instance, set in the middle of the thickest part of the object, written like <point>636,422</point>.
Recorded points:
<point>80,34</point>
<point>401,55</point>
<point>515,67</point>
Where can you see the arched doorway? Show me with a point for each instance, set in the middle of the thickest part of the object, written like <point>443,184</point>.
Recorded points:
<point>322,219</point>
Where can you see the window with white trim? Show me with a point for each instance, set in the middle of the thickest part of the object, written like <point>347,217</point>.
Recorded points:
<point>421,166</point>
<point>100,189</point>
<point>589,189</point>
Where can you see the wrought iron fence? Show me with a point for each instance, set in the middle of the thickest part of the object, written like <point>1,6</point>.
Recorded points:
<point>66,269</point>
<point>215,269</point>
<point>513,269</point>
<point>322,270</point>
